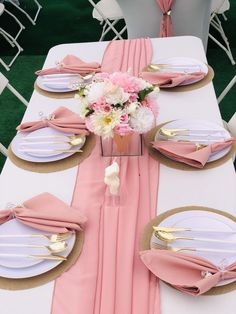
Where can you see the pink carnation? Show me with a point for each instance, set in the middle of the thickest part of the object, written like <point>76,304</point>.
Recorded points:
<point>124,80</point>
<point>124,118</point>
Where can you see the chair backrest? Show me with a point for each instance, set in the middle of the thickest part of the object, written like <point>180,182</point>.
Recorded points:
<point>3,149</point>
<point>189,17</point>
<point>220,6</point>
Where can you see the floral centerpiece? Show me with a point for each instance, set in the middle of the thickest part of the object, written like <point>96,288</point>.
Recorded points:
<point>118,105</point>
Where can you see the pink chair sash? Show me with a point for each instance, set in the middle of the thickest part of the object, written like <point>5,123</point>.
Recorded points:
<point>62,119</point>
<point>166,22</point>
<point>46,212</point>
<point>109,277</point>
<point>190,274</point>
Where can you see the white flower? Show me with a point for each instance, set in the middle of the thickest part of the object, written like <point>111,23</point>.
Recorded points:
<point>142,83</point>
<point>83,107</point>
<point>132,107</point>
<point>142,120</point>
<point>115,95</point>
<point>104,124</point>
<point>95,91</point>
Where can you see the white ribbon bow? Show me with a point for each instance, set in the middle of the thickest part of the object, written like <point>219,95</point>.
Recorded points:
<point>111,178</point>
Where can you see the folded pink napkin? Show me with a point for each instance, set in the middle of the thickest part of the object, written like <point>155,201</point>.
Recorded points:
<point>62,119</point>
<point>72,64</point>
<point>46,212</point>
<point>190,274</point>
<point>187,152</point>
<point>170,79</point>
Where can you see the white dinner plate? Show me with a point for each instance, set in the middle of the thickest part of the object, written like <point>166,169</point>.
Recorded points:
<point>184,61</point>
<point>193,124</point>
<point>204,220</point>
<point>50,82</point>
<point>23,140</point>
<point>26,267</point>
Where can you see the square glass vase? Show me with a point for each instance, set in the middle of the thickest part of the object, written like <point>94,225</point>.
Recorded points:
<point>126,145</point>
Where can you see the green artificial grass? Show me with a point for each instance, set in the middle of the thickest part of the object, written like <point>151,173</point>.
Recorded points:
<point>68,21</point>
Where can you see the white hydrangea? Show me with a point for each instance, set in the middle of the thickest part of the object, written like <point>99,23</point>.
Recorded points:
<point>142,120</point>
<point>132,107</point>
<point>96,91</point>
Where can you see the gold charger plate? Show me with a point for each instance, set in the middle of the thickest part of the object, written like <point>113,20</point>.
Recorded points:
<point>145,238</point>
<point>150,137</point>
<point>39,280</point>
<point>58,165</point>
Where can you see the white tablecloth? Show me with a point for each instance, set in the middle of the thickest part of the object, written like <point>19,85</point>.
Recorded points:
<point>213,188</point>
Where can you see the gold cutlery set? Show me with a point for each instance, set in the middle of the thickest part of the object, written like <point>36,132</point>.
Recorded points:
<point>165,234</point>
<point>202,136</point>
<point>28,143</point>
<point>57,244</point>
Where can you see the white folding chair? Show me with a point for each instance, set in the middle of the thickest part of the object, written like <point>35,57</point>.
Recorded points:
<point>3,149</point>
<point>4,83</point>
<point>12,40</point>
<point>189,17</point>
<point>108,13</point>
<point>18,7</point>
<point>220,7</point>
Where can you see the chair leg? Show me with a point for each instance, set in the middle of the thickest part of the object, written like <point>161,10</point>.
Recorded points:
<point>216,23</point>
<point>227,89</point>
<point>17,94</point>
<point>4,65</point>
<point>3,150</point>
<point>20,49</point>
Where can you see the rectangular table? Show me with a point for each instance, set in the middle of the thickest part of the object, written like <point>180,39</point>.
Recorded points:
<point>212,188</point>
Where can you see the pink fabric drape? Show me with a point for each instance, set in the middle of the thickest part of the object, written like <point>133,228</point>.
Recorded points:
<point>166,22</point>
<point>109,277</point>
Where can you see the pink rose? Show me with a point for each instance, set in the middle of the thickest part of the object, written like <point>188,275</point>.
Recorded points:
<point>124,118</point>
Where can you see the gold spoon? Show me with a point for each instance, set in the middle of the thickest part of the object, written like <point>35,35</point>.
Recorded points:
<point>169,237</point>
<point>55,247</point>
<point>50,237</point>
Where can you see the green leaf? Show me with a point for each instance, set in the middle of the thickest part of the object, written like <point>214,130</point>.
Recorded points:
<point>143,93</point>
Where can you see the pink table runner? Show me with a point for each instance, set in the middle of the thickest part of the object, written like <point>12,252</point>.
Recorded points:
<point>109,277</point>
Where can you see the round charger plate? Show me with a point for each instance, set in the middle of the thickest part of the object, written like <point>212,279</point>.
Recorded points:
<point>28,140</point>
<point>31,280</point>
<point>202,218</point>
<point>26,267</point>
<point>56,165</point>
<point>150,137</point>
<point>202,67</point>
<point>193,124</point>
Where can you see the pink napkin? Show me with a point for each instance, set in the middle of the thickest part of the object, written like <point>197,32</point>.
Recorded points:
<point>170,79</point>
<point>72,64</point>
<point>187,152</point>
<point>62,119</point>
<point>166,23</point>
<point>46,212</point>
<point>190,274</point>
